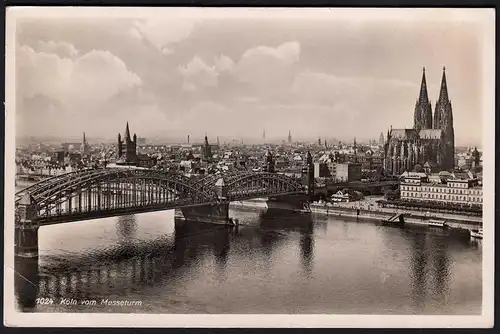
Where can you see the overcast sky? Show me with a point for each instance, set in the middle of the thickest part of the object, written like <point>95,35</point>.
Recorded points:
<point>233,75</point>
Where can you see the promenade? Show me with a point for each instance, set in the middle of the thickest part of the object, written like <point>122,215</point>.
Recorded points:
<point>369,210</point>
<point>370,204</point>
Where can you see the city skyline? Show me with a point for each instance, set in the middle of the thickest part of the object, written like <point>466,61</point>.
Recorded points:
<point>342,77</point>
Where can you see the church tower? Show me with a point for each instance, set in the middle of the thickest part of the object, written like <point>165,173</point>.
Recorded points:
<point>443,119</point>
<point>85,146</point>
<point>207,150</point>
<point>127,147</point>
<point>423,109</point>
<point>120,146</point>
<point>308,174</point>
<point>269,167</point>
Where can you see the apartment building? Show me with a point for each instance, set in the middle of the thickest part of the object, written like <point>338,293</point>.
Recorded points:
<point>417,187</point>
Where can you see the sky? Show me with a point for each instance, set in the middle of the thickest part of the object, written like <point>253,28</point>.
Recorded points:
<point>231,73</point>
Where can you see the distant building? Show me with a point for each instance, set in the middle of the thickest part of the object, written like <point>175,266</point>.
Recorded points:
<point>347,172</point>
<point>381,140</point>
<point>141,141</point>
<point>321,170</point>
<point>59,157</point>
<point>71,147</point>
<point>72,158</point>
<point>476,158</point>
<point>145,161</point>
<point>289,137</point>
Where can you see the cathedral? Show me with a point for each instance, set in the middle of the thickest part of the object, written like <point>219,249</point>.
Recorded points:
<point>431,141</point>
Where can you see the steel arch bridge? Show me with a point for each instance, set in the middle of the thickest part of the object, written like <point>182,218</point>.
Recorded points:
<point>107,192</point>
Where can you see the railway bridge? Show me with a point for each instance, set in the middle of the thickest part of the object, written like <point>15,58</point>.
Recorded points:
<point>107,192</point>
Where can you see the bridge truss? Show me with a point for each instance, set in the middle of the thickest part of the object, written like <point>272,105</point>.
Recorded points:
<point>106,192</point>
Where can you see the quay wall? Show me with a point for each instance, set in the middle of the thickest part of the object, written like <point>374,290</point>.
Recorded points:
<point>454,221</point>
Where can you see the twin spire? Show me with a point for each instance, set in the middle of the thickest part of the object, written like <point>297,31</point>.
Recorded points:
<point>423,111</point>
<point>443,93</point>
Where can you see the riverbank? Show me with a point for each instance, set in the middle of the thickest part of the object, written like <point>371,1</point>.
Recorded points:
<point>373,214</point>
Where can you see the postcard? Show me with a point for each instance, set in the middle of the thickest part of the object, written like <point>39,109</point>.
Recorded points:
<point>244,167</point>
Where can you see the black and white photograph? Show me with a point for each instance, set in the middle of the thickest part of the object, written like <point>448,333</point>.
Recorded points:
<point>287,167</point>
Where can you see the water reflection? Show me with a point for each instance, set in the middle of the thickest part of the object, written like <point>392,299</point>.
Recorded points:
<point>126,228</point>
<point>418,267</point>
<point>440,268</point>
<point>307,247</point>
<point>256,264</point>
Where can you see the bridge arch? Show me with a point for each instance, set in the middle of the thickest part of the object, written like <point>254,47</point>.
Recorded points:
<point>115,190</point>
<point>248,184</point>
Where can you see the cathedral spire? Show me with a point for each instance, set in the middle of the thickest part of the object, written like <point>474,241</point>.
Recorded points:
<point>127,133</point>
<point>443,93</point>
<point>423,110</point>
<point>423,97</point>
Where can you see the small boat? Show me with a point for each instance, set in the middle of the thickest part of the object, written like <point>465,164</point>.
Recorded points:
<point>477,234</point>
<point>437,223</point>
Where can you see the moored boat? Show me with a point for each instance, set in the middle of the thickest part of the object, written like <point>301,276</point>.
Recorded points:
<point>437,223</point>
<point>477,234</point>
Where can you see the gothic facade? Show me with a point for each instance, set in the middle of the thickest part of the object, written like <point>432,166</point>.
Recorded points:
<point>431,141</point>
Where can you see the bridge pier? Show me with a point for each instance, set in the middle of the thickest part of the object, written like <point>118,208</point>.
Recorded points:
<point>26,229</point>
<point>287,202</point>
<point>212,213</point>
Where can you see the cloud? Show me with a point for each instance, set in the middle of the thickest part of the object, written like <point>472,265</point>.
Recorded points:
<point>198,74</point>
<point>42,73</point>
<point>268,72</point>
<point>265,66</point>
<point>163,32</point>
<point>91,78</point>
<point>59,48</point>
<point>288,53</point>
<point>223,64</point>
<point>100,75</point>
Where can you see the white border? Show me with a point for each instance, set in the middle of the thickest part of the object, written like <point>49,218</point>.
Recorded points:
<point>485,17</point>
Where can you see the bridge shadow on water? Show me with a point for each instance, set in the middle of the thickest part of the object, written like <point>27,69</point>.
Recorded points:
<point>130,267</point>
<point>284,222</point>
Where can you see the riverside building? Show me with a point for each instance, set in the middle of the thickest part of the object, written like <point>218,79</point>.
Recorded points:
<point>419,188</point>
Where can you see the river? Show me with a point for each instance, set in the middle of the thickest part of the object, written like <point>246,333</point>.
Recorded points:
<point>275,262</point>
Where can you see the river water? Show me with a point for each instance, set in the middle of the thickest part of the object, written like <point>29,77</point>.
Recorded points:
<point>275,262</point>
